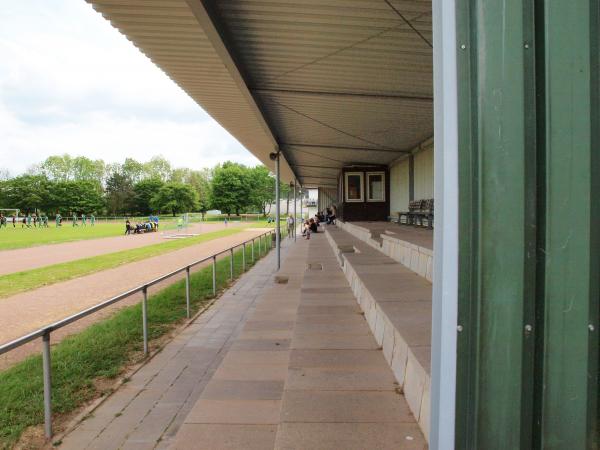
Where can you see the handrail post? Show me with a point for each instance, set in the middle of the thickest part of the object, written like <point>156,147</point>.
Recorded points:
<point>47,367</point>
<point>187,291</point>
<point>244,257</point>
<point>253,251</point>
<point>145,318</point>
<point>214,270</point>
<point>231,262</point>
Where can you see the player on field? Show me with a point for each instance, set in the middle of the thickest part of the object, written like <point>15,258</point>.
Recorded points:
<point>92,220</point>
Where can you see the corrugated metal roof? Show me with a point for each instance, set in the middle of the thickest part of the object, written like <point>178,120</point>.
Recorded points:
<point>332,82</point>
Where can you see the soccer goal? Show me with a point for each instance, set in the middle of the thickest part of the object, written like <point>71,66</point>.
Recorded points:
<point>10,211</point>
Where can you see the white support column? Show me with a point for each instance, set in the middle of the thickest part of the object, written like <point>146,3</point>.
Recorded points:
<point>295,215</point>
<point>445,279</point>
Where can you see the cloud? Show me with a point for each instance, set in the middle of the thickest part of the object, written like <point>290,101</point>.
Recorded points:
<point>69,82</point>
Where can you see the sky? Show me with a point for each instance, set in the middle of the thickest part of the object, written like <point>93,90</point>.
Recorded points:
<point>71,83</point>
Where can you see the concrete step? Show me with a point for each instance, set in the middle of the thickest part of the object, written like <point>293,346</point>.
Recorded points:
<point>397,306</point>
<point>394,241</point>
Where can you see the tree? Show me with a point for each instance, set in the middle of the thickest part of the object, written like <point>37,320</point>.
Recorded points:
<point>175,198</point>
<point>119,193</point>
<point>200,180</point>
<point>158,167</point>
<point>66,168</point>
<point>134,170</point>
<point>26,192</point>
<point>284,191</point>
<point>85,169</point>
<point>231,186</point>
<point>143,191</point>
<point>262,193</point>
<point>82,196</point>
<point>57,167</point>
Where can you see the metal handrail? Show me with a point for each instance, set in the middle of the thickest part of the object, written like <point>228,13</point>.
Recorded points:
<point>45,331</point>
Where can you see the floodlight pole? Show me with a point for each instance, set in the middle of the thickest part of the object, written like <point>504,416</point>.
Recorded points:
<point>277,211</point>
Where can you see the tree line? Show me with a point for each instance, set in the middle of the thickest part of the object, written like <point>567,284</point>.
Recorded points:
<point>64,185</point>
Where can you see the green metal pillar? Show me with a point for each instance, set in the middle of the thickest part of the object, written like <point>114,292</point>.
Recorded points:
<point>527,348</point>
<point>497,246</point>
<point>568,126</point>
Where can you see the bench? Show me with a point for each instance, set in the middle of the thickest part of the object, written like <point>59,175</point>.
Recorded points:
<point>418,212</point>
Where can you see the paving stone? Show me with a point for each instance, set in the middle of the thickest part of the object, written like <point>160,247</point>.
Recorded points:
<point>352,321</point>
<point>262,344</point>
<point>331,328</point>
<point>258,412</point>
<point>349,436</point>
<point>313,378</point>
<point>359,340</point>
<point>242,357</point>
<point>344,406</point>
<point>251,372</point>
<point>329,310</point>
<point>269,325</point>
<point>335,358</point>
<point>243,390</point>
<point>225,437</point>
<point>268,334</point>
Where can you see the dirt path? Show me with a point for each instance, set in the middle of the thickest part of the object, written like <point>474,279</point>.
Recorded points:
<point>32,258</point>
<point>28,311</point>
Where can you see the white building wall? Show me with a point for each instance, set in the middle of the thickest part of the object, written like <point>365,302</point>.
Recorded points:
<point>399,189</point>
<point>326,198</point>
<point>424,174</point>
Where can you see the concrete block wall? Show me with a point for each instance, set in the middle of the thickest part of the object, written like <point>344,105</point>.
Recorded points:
<point>418,259</point>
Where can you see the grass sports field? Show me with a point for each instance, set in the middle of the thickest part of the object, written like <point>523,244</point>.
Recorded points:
<point>12,238</point>
<point>32,279</point>
<point>23,281</point>
<point>18,237</point>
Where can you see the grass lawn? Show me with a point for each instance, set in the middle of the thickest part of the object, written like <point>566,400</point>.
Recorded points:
<point>101,351</point>
<point>31,279</point>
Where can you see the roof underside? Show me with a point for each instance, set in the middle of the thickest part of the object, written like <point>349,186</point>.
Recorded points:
<point>328,82</point>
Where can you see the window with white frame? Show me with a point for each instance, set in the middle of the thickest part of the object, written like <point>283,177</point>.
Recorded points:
<point>376,186</point>
<point>354,186</point>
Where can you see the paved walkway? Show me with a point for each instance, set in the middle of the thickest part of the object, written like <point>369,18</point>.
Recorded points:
<point>21,259</point>
<point>305,373</point>
<point>25,312</point>
<point>147,411</point>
